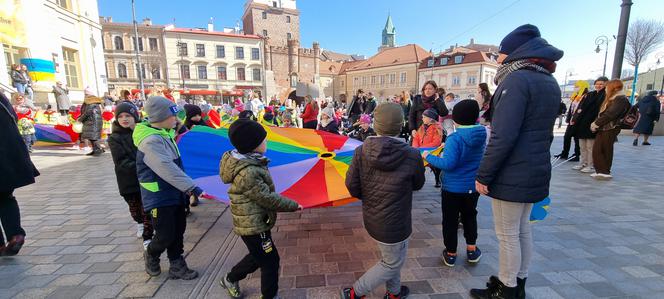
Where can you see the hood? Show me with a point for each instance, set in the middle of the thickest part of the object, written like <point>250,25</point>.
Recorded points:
<point>232,163</point>
<point>144,130</point>
<point>92,100</point>
<point>472,136</point>
<point>117,128</point>
<point>535,48</point>
<point>384,153</point>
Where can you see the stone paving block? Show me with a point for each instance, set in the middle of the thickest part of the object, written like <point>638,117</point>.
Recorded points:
<point>103,267</point>
<point>294,270</point>
<point>42,269</point>
<point>140,290</point>
<point>602,289</point>
<point>419,287</point>
<point>559,277</point>
<point>309,281</point>
<point>100,257</point>
<point>640,272</point>
<point>69,280</point>
<point>133,277</point>
<point>69,292</point>
<point>586,276</point>
<point>35,293</point>
<point>102,279</point>
<point>101,249</point>
<point>543,292</point>
<point>323,268</point>
<point>446,296</point>
<point>341,279</point>
<point>104,291</point>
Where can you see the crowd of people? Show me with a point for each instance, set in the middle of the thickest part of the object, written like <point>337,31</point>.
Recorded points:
<point>494,145</point>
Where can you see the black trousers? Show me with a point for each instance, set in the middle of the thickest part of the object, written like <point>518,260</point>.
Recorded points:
<point>310,125</point>
<point>436,174</point>
<point>139,215</point>
<point>268,262</point>
<point>169,225</point>
<point>10,216</point>
<point>454,204</point>
<point>567,143</point>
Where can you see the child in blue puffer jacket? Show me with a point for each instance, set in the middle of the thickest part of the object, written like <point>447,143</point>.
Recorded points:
<point>459,163</point>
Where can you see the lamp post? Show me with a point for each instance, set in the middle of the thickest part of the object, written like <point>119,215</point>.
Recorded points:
<point>659,57</point>
<point>568,73</point>
<point>602,40</point>
<point>139,71</point>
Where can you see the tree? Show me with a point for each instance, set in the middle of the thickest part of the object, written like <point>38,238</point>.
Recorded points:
<point>642,38</point>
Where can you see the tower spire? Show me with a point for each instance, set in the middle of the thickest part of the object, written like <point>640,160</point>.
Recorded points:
<point>389,33</point>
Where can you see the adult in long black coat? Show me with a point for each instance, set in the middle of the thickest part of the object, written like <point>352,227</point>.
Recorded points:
<point>649,109</point>
<point>585,114</point>
<point>428,99</point>
<point>18,171</point>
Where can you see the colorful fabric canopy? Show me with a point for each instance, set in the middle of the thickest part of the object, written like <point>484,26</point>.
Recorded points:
<point>307,166</point>
<point>57,134</point>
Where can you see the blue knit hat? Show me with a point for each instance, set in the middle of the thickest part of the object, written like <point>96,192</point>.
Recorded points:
<point>518,37</point>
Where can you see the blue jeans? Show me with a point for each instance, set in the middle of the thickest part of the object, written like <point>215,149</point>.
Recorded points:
<point>387,270</point>
<point>20,88</point>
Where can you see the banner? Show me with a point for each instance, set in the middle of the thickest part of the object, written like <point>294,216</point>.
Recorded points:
<point>12,26</point>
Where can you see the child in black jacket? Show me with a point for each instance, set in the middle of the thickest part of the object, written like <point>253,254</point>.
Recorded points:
<point>124,151</point>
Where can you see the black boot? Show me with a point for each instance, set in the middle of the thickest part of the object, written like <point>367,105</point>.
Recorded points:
<point>561,156</point>
<point>152,266</point>
<point>521,288</point>
<point>179,270</point>
<point>495,290</point>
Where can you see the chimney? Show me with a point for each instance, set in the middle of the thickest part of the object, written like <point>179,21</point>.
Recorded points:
<point>211,25</point>
<point>472,41</point>
<point>147,21</point>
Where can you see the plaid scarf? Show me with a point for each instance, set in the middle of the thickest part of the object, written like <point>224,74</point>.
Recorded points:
<point>523,64</point>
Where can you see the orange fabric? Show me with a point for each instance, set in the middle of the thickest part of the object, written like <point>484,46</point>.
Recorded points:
<point>429,137</point>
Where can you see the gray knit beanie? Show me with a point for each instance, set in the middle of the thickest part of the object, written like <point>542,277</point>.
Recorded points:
<point>160,108</point>
<point>388,119</point>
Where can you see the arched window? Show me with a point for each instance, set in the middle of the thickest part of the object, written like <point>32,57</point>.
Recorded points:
<point>119,45</point>
<point>122,70</point>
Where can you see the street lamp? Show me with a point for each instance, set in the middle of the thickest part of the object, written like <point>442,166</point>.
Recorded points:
<point>602,40</point>
<point>659,57</point>
<point>567,73</point>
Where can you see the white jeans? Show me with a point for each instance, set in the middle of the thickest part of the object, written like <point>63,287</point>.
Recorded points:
<point>387,270</point>
<point>586,146</point>
<point>512,224</point>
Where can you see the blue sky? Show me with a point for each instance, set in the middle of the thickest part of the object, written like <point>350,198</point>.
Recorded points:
<point>354,26</point>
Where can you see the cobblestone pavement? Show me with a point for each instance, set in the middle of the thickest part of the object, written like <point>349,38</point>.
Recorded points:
<point>601,240</point>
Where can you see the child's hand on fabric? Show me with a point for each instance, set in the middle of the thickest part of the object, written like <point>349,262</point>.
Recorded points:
<point>300,207</point>
<point>425,154</point>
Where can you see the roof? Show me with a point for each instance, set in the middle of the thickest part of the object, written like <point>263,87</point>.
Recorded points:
<point>410,53</point>
<point>468,57</point>
<point>482,47</point>
<point>330,67</point>
<point>214,33</point>
<point>334,56</point>
<point>349,64</point>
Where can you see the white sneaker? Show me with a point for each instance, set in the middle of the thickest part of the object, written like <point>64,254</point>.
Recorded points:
<point>146,243</point>
<point>588,169</point>
<point>579,166</point>
<point>86,149</point>
<point>602,177</point>
<point>139,230</point>
<point>75,147</point>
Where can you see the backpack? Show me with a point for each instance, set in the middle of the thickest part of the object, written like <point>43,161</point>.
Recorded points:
<point>630,119</point>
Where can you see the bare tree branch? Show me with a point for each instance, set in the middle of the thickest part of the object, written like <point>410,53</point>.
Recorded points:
<point>643,37</point>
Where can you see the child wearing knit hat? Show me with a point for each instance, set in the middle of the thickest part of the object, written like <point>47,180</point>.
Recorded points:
<point>459,162</point>
<point>430,135</point>
<point>165,187</point>
<point>124,152</point>
<point>254,206</point>
<point>365,130</point>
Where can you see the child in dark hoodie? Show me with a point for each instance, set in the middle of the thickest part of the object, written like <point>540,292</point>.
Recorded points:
<point>383,174</point>
<point>194,116</point>
<point>459,162</point>
<point>124,151</point>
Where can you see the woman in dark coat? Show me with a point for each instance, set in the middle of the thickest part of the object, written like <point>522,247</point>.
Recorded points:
<point>649,109</point>
<point>92,123</point>
<point>428,99</point>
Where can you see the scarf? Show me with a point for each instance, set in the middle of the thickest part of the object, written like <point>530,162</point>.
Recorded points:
<point>523,64</point>
<point>428,102</point>
<point>251,156</point>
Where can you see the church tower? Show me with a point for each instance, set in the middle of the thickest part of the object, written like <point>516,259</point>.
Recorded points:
<point>277,20</point>
<point>389,35</point>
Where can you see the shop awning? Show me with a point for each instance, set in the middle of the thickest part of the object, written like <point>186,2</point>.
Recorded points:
<point>199,92</point>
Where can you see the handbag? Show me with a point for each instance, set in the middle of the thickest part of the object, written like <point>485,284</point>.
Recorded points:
<point>77,127</point>
<point>631,118</point>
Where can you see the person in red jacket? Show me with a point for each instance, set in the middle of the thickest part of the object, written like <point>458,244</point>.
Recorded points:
<point>429,134</point>
<point>310,115</point>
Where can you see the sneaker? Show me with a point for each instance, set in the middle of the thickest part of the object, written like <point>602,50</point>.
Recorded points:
<point>645,143</point>
<point>495,289</point>
<point>233,288</point>
<point>179,270</point>
<point>76,147</point>
<point>575,158</point>
<point>86,149</point>
<point>636,142</point>
<point>146,243</point>
<point>579,166</point>
<point>349,293</point>
<point>561,156</point>
<point>448,259</point>
<point>13,246</point>
<point>474,256</point>
<point>139,230</point>
<point>403,293</point>
<point>193,200</point>
<point>602,177</point>
<point>588,169</point>
<point>437,185</point>
<point>152,266</point>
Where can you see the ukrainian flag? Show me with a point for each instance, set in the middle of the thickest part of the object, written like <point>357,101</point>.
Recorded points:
<point>40,69</point>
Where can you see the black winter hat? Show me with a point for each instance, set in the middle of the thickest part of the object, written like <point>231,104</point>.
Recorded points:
<point>127,107</point>
<point>431,113</point>
<point>192,110</point>
<point>246,135</point>
<point>518,37</point>
<point>466,112</point>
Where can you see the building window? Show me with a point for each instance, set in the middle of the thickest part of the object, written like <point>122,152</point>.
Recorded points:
<point>472,80</point>
<point>13,55</point>
<point>70,58</point>
<point>140,43</point>
<point>182,49</point>
<point>403,77</point>
<point>649,86</point>
<point>153,44</point>
<point>143,74</point>
<point>393,78</point>
<point>444,60</point>
<point>122,70</point>
<point>458,59</point>
<point>256,74</point>
<point>293,80</point>
<point>382,80</point>
<point>356,81</point>
<point>202,72</point>
<point>255,54</point>
<point>287,19</point>
<point>119,44</point>
<point>240,74</point>
<point>264,33</point>
<point>456,81</point>
<point>156,73</point>
<point>221,73</point>
<point>66,4</point>
<point>184,71</point>
<point>221,52</point>
<point>289,36</point>
<point>264,14</point>
<point>430,63</point>
<point>342,83</point>
<point>364,81</point>
<point>373,80</point>
<point>274,3</point>
<point>239,52</point>
<point>200,50</point>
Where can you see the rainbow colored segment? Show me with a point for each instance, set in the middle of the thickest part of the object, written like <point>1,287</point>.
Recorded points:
<point>307,166</point>
<point>57,134</point>
<point>40,69</point>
